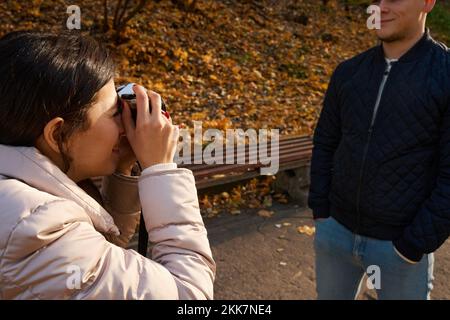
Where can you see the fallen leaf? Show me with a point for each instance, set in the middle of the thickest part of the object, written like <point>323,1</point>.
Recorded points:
<point>258,74</point>
<point>298,274</point>
<point>207,58</point>
<point>306,230</point>
<point>265,213</point>
<point>225,195</point>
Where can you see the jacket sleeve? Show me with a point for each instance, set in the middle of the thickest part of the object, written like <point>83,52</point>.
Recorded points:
<point>70,259</point>
<point>431,226</point>
<point>120,195</point>
<point>326,139</point>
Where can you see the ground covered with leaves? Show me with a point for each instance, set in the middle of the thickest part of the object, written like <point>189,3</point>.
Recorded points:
<point>231,64</point>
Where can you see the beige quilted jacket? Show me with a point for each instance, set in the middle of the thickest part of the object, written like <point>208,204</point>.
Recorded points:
<point>57,242</point>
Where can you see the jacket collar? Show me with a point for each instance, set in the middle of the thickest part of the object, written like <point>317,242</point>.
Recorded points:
<point>417,51</point>
<point>32,167</point>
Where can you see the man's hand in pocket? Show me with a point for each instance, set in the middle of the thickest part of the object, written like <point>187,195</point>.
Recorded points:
<point>403,257</point>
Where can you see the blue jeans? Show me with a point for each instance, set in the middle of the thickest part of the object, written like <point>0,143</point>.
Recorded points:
<point>343,258</point>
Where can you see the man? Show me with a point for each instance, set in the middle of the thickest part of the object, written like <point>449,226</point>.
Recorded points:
<point>380,172</point>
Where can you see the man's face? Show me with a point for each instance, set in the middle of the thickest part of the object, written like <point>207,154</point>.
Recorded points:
<point>401,18</point>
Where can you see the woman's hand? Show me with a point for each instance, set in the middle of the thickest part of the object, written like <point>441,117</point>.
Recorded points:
<point>153,138</point>
<point>127,158</point>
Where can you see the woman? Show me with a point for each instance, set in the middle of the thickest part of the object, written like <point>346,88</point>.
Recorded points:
<point>60,124</point>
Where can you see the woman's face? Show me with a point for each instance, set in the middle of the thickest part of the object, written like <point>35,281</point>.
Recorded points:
<point>95,152</point>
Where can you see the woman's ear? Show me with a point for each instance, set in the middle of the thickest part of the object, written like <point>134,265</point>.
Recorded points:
<point>429,5</point>
<point>49,143</point>
<point>52,134</point>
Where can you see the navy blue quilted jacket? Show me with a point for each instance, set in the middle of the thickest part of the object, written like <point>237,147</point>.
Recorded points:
<point>381,164</point>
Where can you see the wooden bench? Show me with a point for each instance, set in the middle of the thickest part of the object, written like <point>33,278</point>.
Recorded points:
<point>294,152</point>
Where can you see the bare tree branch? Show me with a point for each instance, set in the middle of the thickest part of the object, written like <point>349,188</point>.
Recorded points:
<point>116,13</point>
<point>105,16</point>
<point>138,8</point>
<point>124,9</point>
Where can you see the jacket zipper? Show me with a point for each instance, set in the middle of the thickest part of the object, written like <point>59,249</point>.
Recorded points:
<point>369,136</point>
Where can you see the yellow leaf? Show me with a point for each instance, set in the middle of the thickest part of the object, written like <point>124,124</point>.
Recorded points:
<point>258,74</point>
<point>180,53</point>
<point>306,230</point>
<point>235,69</point>
<point>225,195</point>
<point>199,115</point>
<point>207,58</point>
<point>162,52</point>
<point>265,213</point>
<point>177,65</point>
<point>158,87</point>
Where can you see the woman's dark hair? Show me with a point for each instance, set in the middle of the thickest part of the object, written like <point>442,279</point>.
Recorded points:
<point>43,76</point>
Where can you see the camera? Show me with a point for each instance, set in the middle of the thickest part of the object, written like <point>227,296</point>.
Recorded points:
<point>126,93</point>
